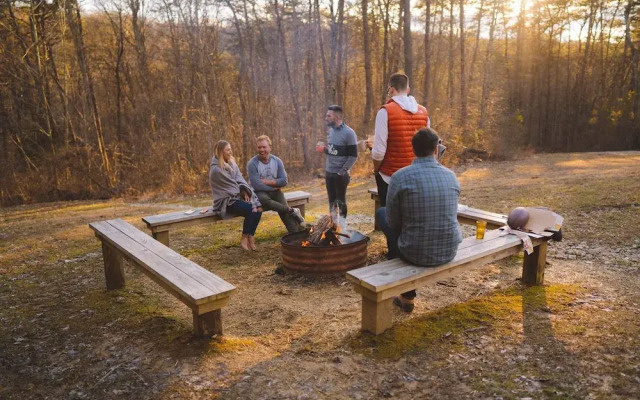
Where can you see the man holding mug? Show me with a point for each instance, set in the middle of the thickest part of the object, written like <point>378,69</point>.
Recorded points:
<point>342,152</point>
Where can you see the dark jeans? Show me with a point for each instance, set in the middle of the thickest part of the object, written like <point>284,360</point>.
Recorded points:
<point>337,190</point>
<point>383,188</point>
<point>251,219</point>
<point>275,201</point>
<point>392,236</point>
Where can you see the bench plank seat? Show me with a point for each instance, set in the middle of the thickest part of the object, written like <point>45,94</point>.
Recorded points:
<point>466,215</point>
<point>379,283</point>
<point>160,225</point>
<point>204,292</point>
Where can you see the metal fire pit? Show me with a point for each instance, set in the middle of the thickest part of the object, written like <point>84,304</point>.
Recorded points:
<point>323,260</point>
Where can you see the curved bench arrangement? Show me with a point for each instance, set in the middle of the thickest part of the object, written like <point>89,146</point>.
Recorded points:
<point>203,291</point>
<point>466,215</point>
<point>379,283</point>
<point>161,225</point>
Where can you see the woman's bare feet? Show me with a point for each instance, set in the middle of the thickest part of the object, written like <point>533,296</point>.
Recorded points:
<point>252,242</point>
<point>244,243</point>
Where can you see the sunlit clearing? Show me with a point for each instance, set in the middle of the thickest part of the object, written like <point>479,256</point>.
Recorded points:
<point>475,174</point>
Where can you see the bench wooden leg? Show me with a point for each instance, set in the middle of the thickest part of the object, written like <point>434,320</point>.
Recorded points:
<point>113,266</point>
<point>533,267</point>
<point>301,208</point>
<point>376,225</point>
<point>162,237</point>
<point>207,324</point>
<point>376,317</point>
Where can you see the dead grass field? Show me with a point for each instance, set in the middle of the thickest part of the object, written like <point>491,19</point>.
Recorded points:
<point>477,336</point>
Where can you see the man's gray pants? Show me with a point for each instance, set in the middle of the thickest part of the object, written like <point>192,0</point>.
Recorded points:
<point>275,201</point>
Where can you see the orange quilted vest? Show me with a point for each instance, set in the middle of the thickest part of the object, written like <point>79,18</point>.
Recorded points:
<point>402,126</point>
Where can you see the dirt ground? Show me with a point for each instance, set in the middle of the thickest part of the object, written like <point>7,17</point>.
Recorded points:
<point>478,336</point>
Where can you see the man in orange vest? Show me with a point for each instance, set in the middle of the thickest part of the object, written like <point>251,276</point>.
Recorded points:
<point>396,123</point>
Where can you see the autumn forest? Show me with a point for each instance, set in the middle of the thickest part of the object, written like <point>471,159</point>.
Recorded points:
<point>120,97</point>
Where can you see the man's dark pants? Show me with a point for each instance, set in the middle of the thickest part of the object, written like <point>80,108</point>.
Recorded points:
<point>275,201</point>
<point>337,190</point>
<point>392,236</point>
<point>383,188</point>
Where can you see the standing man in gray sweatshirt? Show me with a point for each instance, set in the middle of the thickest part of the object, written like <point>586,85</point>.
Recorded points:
<point>342,153</point>
<point>267,176</point>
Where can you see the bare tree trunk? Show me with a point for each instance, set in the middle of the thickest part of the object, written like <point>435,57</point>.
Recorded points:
<point>292,90</point>
<point>340,48</point>
<point>451,49</point>
<point>75,25</point>
<point>479,16</point>
<point>385,49</point>
<point>463,76</point>
<point>488,64</point>
<point>326,75</point>
<point>427,54</point>
<point>368,68</point>
<point>408,46</point>
<point>630,10</point>
<point>517,100</point>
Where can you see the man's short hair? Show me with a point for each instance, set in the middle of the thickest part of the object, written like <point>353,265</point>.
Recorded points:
<point>424,142</point>
<point>399,82</point>
<point>336,109</point>
<point>263,138</point>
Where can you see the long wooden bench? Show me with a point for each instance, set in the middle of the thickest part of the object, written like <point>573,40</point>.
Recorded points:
<point>466,215</point>
<point>379,283</point>
<point>161,225</point>
<point>204,292</point>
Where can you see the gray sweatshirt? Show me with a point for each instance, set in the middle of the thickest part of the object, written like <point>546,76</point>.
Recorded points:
<point>273,169</point>
<point>342,150</point>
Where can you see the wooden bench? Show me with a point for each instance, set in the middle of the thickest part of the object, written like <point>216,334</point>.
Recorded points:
<point>161,225</point>
<point>466,215</point>
<point>204,292</point>
<point>379,283</point>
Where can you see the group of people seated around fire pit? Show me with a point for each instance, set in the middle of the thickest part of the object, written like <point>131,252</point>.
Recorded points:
<point>419,196</point>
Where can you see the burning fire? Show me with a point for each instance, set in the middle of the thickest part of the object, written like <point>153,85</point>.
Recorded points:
<point>305,243</point>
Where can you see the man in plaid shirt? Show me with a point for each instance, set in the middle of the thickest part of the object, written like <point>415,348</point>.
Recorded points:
<point>420,219</point>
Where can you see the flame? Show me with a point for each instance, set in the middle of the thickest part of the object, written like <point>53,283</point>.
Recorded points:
<point>323,236</point>
<point>330,243</point>
<point>310,230</point>
<point>338,228</point>
<point>305,243</point>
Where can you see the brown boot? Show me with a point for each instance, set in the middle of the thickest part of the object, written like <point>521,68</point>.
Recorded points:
<point>405,304</point>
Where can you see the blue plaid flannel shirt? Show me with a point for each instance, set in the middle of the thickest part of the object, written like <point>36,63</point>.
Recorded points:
<point>422,204</point>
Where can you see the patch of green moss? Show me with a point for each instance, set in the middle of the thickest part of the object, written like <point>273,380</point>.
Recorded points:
<point>440,330</point>
<point>88,207</point>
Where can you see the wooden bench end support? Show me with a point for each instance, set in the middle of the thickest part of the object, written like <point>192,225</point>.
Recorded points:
<point>376,316</point>
<point>207,324</point>
<point>533,267</point>
<point>162,237</point>
<point>113,266</point>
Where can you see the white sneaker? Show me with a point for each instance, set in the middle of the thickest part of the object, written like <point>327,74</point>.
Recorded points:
<point>298,215</point>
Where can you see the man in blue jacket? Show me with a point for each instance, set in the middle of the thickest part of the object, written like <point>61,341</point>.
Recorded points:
<point>267,176</point>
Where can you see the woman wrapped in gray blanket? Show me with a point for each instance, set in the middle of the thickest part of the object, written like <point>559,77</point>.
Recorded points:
<point>232,196</point>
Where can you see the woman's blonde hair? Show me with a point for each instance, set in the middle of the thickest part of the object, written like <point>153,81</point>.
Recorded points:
<point>218,149</point>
